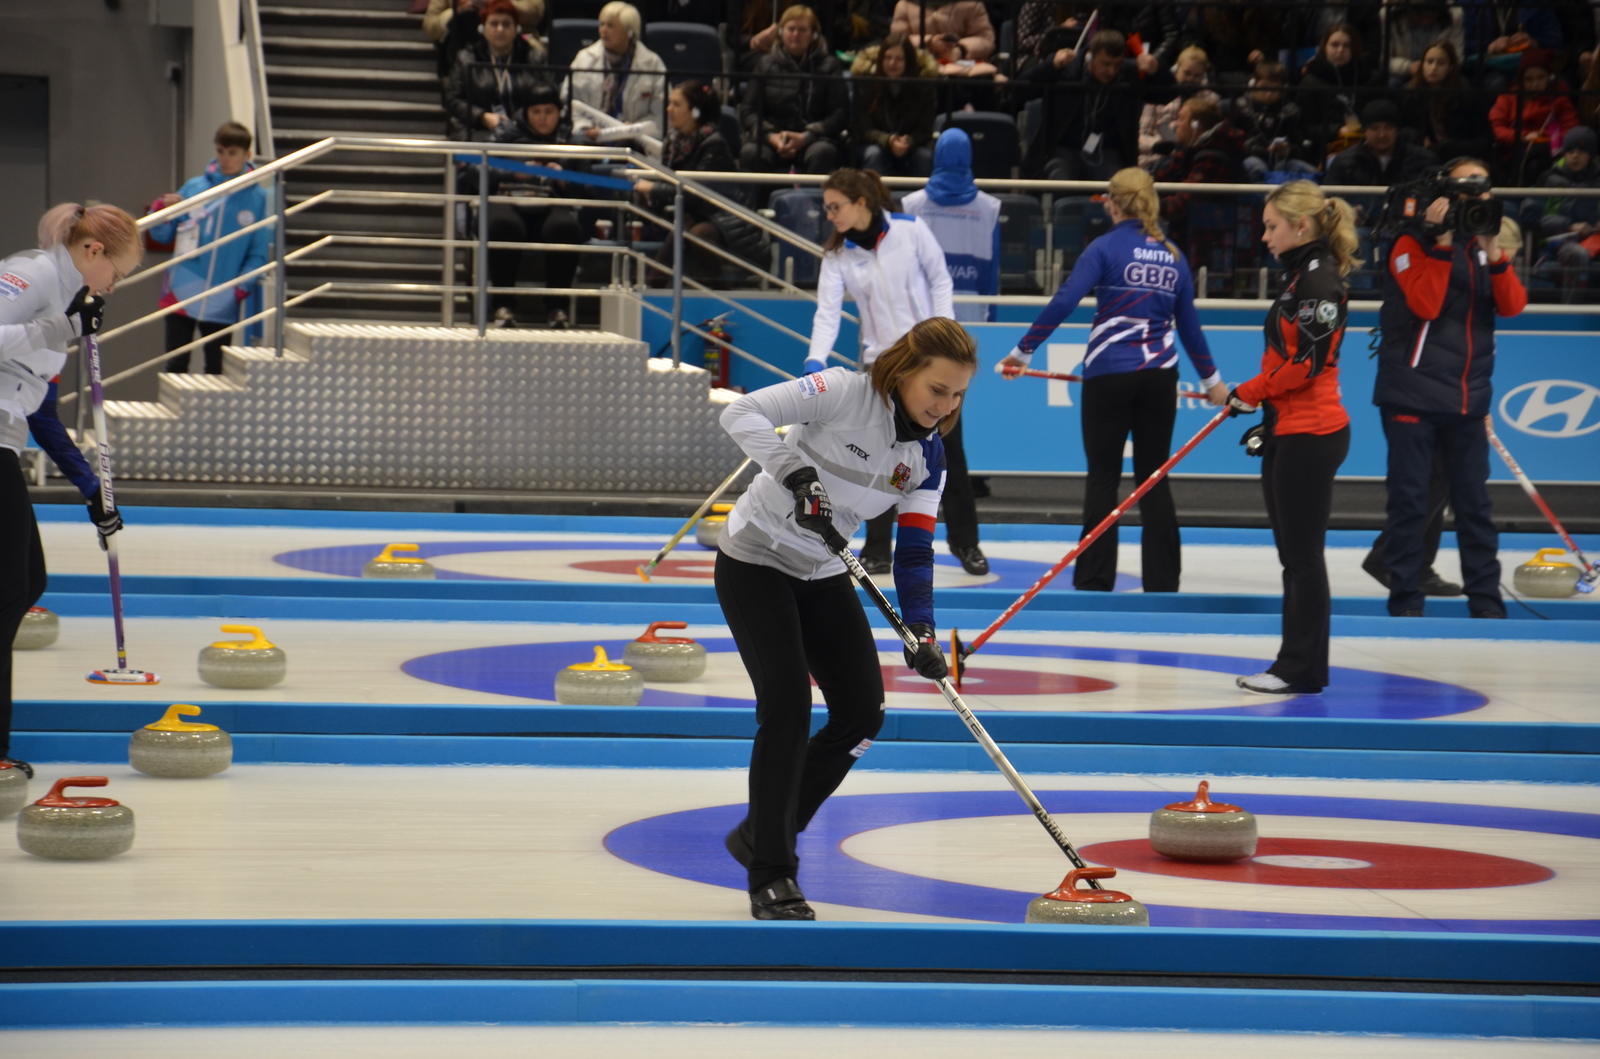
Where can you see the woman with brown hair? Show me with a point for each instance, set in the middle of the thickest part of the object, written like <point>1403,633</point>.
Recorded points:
<point>857,445</point>
<point>894,118</point>
<point>1448,114</point>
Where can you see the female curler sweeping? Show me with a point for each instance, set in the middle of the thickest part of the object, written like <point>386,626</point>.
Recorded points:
<point>859,444</point>
<point>1144,296</point>
<point>48,297</point>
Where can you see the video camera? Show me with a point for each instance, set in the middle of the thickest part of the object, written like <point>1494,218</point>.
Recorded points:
<point>1468,215</point>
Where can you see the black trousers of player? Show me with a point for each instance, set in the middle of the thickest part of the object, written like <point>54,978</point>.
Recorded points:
<point>959,508</point>
<point>1463,448</point>
<point>789,631</point>
<point>22,573</point>
<point>180,332</point>
<point>1433,529</point>
<point>1297,481</point>
<point>1145,404</point>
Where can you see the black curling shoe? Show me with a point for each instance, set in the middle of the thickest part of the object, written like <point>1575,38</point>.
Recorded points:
<point>972,560</point>
<point>21,766</point>
<point>1434,585</point>
<point>876,565</point>
<point>780,899</point>
<point>738,846</point>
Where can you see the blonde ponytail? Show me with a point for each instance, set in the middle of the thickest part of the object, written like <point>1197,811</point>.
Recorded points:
<point>1134,192</point>
<point>69,222</point>
<point>1330,219</point>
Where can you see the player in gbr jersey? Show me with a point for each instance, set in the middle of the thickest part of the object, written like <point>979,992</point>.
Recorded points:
<point>858,444</point>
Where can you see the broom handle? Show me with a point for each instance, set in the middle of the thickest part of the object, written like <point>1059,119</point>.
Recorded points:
<point>102,440</point>
<point>1059,377</point>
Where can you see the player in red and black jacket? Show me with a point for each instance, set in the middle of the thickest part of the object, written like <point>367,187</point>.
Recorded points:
<point>1440,297</point>
<point>1307,430</point>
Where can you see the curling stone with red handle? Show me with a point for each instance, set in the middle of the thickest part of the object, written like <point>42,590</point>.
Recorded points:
<point>180,749</point>
<point>599,683</point>
<point>665,659</point>
<point>61,828</point>
<point>39,628</point>
<point>13,788</point>
<point>387,564</point>
<point>1094,908</point>
<point>252,663</point>
<point>1203,830</point>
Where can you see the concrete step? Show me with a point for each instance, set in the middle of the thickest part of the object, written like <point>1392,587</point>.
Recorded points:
<point>329,82</point>
<point>315,177</point>
<point>336,23</point>
<point>404,55</point>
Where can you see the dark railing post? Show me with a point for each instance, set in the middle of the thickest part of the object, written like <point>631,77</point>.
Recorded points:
<point>483,246</point>
<point>677,274</point>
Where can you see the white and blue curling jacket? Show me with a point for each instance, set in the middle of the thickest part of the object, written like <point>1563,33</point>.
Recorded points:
<point>896,284</point>
<point>847,433</point>
<point>36,286</point>
<point>1142,288</point>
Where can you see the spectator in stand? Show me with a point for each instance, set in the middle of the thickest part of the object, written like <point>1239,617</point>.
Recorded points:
<point>490,83</point>
<point>1237,34</point>
<point>1499,28</point>
<point>1335,84</point>
<point>1411,28</point>
<point>894,120</point>
<point>1208,150</point>
<point>856,23</point>
<point>1192,74</point>
<point>1530,120</point>
<point>1571,224</point>
<point>618,76</point>
<point>1089,127</point>
<point>1044,28</point>
<point>1382,158</point>
<point>450,34</point>
<point>1448,113</point>
<point>1274,129</point>
<point>1587,98</point>
<point>795,122</point>
<point>957,32</point>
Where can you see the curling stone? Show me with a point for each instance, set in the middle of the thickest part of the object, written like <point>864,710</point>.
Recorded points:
<point>599,683</point>
<point>39,628</point>
<point>388,564</point>
<point>1095,908</point>
<point>252,663</point>
<point>178,748</point>
<point>13,788</point>
<point>1545,577</point>
<point>1203,830</point>
<point>665,659</point>
<point>708,529</point>
<point>62,828</point>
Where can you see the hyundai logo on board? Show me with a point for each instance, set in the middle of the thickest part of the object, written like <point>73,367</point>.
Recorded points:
<point>1553,408</point>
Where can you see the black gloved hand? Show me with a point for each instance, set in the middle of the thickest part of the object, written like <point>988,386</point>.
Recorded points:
<point>927,659</point>
<point>1254,439</point>
<point>105,522</point>
<point>89,309</point>
<point>812,510</point>
<point>1238,405</point>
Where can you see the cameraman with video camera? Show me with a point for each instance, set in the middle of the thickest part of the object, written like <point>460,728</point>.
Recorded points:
<point>1446,281</point>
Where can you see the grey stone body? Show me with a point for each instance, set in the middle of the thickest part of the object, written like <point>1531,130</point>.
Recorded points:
<point>237,667</point>
<point>706,532</point>
<point>413,571</point>
<point>1545,581</point>
<point>1091,913</point>
<point>75,833</point>
<point>599,687</point>
<point>39,628</point>
<point>666,663</point>
<point>13,790</point>
<point>434,407</point>
<point>180,755</point>
<point>1202,836</point>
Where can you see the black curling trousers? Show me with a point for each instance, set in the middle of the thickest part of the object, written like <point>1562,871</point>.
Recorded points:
<point>22,574</point>
<point>1297,481</point>
<point>789,631</point>
<point>1145,404</point>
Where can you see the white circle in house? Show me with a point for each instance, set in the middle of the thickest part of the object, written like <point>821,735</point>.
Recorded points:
<point>1296,860</point>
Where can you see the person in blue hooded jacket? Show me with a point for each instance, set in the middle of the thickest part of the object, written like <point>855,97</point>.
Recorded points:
<point>205,225</point>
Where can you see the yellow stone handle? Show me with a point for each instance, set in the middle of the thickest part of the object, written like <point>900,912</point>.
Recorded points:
<point>257,642</point>
<point>600,663</point>
<point>1559,553</point>
<point>388,554</point>
<point>172,720</point>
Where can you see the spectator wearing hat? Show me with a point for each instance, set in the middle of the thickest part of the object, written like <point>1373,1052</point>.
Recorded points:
<point>490,82</point>
<point>1531,119</point>
<point>1382,158</point>
<point>1571,224</point>
<point>450,33</point>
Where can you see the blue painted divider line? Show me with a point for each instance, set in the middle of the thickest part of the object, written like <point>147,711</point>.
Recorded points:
<point>1029,758</point>
<point>319,718</point>
<point>140,1004</point>
<point>577,943</point>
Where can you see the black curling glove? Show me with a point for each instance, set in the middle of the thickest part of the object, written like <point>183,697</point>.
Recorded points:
<point>1254,439</point>
<point>89,310</point>
<point>927,659</point>
<point>1238,406</point>
<point>812,511</point>
<point>105,522</point>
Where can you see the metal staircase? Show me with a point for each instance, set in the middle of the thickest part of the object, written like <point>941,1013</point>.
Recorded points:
<point>361,67</point>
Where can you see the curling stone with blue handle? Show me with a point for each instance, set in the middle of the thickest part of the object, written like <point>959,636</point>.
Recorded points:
<point>13,788</point>
<point>1203,830</point>
<point>665,659</point>
<point>709,529</point>
<point>388,564</point>
<point>599,683</point>
<point>39,628</point>
<point>180,749</point>
<point>252,663</point>
<point>1546,578</point>
<point>61,828</point>
<point>1095,908</point>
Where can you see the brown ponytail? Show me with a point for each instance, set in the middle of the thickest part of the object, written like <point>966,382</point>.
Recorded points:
<point>856,184</point>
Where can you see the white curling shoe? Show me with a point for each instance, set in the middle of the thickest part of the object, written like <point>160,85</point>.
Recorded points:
<point>1272,684</point>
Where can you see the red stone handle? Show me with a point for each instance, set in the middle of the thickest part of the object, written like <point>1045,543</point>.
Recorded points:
<point>1068,890</point>
<point>57,800</point>
<point>651,637</point>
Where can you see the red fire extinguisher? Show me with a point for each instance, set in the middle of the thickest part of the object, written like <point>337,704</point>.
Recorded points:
<point>716,356</point>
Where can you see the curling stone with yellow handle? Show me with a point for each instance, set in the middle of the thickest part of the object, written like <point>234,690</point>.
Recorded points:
<point>388,564</point>
<point>1546,577</point>
<point>665,659</point>
<point>252,663</point>
<point>599,683</point>
<point>180,749</point>
<point>1203,830</point>
<point>61,828</point>
<point>708,529</point>
<point>13,788</point>
<point>39,628</point>
<point>1095,908</point>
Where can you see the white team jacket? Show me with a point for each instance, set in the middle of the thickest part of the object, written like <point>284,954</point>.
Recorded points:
<point>36,286</point>
<point>847,433</point>
<point>904,282</point>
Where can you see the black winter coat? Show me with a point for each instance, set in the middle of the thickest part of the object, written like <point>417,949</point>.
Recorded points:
<point>474,89</point>
<point>1261,125</point>
<point>819,104</point>
<point>1076,105</point>
<point>713,155</point>
<point>1327,92</point>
